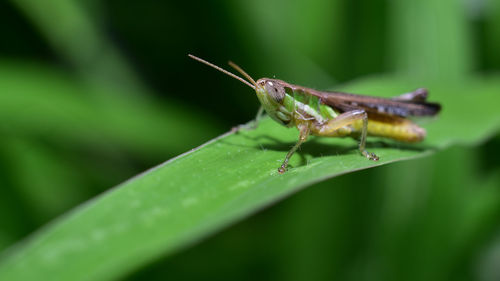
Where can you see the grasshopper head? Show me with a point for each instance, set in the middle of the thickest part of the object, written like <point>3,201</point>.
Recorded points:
<point>273,88</point>
<point>271,94</point>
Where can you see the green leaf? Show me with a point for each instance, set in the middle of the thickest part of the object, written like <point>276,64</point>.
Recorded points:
<point>198,193</point>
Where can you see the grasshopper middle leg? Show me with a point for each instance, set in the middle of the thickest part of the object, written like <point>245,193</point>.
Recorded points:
<point>331,128</point>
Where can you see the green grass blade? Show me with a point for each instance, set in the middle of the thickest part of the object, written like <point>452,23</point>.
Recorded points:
<point>223,181</point>
<point>420,50</point>
<point>72,31</point>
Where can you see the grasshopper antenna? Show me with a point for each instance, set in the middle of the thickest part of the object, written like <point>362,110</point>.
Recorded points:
<point>242,72</point>
<point>227,72</point>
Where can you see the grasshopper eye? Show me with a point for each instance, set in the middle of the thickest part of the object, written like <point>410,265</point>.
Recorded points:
<point>275,90</point>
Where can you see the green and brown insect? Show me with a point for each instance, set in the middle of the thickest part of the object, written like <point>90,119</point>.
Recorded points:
<point>337,114</point>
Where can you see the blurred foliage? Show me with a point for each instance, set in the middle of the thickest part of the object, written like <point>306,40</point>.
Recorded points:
<point>92,93</point>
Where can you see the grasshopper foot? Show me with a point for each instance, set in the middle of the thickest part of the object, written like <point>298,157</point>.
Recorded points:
<point>252,126</point>
<point>236,129</point>
<point>282,169</point>
<point>370,155</point>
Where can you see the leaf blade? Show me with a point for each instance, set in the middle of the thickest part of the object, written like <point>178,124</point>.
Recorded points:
<point>225,180</point>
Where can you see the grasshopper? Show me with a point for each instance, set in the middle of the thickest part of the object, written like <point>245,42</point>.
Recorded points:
<point>337,114</point>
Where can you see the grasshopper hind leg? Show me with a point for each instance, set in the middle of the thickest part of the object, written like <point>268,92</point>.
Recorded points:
<point>362,143</point>
<point>345,119</point>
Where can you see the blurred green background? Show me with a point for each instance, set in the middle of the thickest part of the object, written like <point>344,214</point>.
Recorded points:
<point>94,92</point>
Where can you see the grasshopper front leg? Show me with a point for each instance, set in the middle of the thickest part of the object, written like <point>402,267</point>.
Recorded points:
<point>252,125</point>
<point>332,127</point>
<point>304,133</point>
<point>256,121</point>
